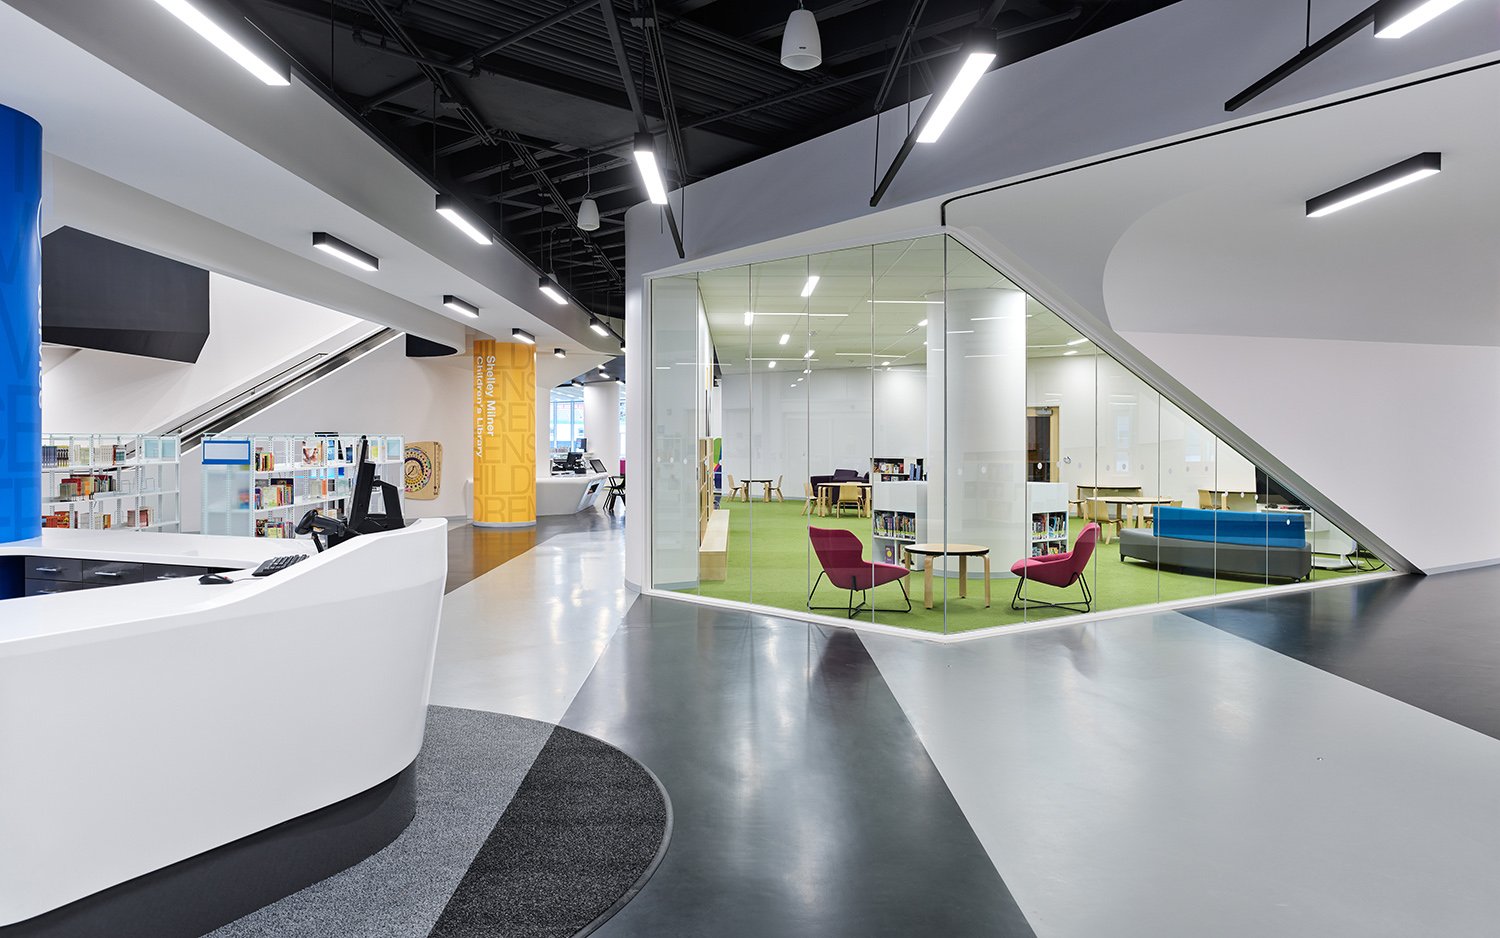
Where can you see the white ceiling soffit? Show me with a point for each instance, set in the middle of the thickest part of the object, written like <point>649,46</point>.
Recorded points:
<point>1211,237</point>
<point>124,90</point>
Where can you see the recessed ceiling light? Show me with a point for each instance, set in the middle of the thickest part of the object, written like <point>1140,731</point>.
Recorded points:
<point>922,323</point>
<point>650,170</point>
<point>549,289</point>
<point>771,363</point>
<point>521,335</point>
<point>886,364</point>
<point>1075,341</point>
<point>1071,352</point>
<point>979,54</point>
<point>345,251</point>
<point>449,208</point>
<point>785,338</point>
<point>749,317</point>
<point>1386,180</point>
<point>603,373</point>
<point>808,353</point>
<point>559,353</point>
<point>460,306</point>
<point>278,75</point>
<point>810,286</point>
<point>1396,18</point>
<point>909,302</point>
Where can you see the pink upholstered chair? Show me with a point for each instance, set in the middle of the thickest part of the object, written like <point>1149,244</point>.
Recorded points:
<point>1059,570</point>
<point>841,554</point>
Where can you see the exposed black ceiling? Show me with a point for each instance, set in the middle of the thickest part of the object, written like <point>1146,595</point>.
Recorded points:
<point>508,104</point>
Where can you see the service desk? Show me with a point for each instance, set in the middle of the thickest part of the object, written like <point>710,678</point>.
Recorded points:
<point>145,724</point>
<point>569,494</point>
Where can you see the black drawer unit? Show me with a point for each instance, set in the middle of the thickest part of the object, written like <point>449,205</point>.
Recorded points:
<point>111,573</point>
<point>54,568</point>
<point>168,571</point>
<point>48,587</point>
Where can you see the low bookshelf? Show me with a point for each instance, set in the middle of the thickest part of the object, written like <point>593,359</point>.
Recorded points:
<point>1047,507</point>
<point>897,517</point>
<point>259,485</point>
<point>99,481</point>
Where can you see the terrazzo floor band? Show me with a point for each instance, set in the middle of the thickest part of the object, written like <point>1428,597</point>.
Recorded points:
<point>522,829</point>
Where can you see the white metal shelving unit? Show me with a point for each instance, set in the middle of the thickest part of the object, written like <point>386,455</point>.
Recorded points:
<point>282,475</point>
<point>897,517</point>
<point>98,481</point>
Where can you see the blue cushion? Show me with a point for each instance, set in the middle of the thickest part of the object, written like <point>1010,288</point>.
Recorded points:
<point>1254,528</point>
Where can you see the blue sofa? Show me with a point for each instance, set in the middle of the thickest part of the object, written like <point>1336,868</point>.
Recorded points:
<point>1240,543</point>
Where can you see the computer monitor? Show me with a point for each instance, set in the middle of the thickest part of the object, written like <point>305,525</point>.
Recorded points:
<point>361,519</point>
<point>598,466</point>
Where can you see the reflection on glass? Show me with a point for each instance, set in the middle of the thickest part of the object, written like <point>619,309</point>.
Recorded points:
<point>899,434</point>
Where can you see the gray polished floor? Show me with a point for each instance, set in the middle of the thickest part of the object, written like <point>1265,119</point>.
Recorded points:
<point>1160,775</point>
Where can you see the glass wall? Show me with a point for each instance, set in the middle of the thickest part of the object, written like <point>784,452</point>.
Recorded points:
<point>899,435</point>
<point>567,418</point>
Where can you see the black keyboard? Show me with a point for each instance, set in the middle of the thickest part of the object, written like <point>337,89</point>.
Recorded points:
<point>278,563</point>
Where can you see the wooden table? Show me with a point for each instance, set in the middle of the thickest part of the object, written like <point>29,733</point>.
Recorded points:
<point>824,506</point>
<point>765,482</point>
<point>1237,499</point>
<point>1123,502</point>
<point>963,552</point>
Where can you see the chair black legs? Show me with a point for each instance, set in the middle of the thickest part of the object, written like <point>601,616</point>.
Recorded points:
<point>851,610</point>
<point>1020,603</point>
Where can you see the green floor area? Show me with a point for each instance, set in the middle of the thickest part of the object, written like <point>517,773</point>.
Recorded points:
<point>771,563</point>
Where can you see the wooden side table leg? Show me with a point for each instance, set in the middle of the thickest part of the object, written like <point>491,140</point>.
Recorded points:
<point>986,580</point>
<point>963,576</point>
<point>927,582</point>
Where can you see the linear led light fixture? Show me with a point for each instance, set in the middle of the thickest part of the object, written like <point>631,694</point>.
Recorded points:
<point>460,306</point>
<point>1075,341</point>
<point>559,353</point>
<point>521,335</point>
<point>810,286</point>
<point>922,323</point>
<point>576,383</point>
<point>1392,18</point>
<point>598,327</point>
<point>449,208</point>
<point>908,302</point>
<point>548,286</point>
<point>345,251</point>
<point>809,315</point>
<point>1394,177</point>
<point>650,170</point>
<point>749,317</point>
<point>979,54</point>
<point>278,74</point>
<point>785,338</point>
<point>1395,19</point>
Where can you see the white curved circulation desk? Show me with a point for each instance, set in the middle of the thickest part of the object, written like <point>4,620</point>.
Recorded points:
<point>144,724</point>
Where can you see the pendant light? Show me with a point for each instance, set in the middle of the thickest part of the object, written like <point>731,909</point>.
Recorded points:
<point>588,209</point>
<point>801,47</point>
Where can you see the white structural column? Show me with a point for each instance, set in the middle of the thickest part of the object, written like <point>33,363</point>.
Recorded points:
<point>601,422</point>
<point>976,405</point>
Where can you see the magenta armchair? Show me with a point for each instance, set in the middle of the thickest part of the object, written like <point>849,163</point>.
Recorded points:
<point>841,554</point>
<point>1059,570</point>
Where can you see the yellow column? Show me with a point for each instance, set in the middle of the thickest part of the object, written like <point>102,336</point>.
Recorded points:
<point>504,434</point>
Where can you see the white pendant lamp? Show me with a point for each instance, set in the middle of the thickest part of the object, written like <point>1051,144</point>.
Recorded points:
<point>588,209</point>
<point>801,47</point>
<point>588,215</point>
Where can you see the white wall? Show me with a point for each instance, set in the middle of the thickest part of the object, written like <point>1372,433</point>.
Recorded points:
<point>838,418</point>
<point>601,421</point>
<point>253,333</point>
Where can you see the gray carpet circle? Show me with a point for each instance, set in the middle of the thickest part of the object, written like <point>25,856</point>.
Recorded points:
<point>523,829</point>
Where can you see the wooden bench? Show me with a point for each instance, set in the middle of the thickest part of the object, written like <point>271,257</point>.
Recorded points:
<point>713,552</point>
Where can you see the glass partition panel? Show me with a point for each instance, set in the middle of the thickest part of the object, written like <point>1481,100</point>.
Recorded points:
<point>898,434</point>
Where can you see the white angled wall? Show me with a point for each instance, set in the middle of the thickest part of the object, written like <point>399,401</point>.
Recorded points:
<point>253,333</point>
<point>601,422</point>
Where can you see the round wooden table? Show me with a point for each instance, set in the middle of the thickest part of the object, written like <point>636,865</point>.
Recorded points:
<point>963,552</point>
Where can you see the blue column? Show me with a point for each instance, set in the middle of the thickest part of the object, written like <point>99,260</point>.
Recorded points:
<point>20,326</point>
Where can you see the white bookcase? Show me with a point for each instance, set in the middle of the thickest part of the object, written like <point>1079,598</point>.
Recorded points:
<point>897,517</point>
<point>259,485</point>
<point>1047,508</point>
<point>96,481</point>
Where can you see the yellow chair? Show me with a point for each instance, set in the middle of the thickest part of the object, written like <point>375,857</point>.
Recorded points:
<point>850,496</point>
<point>776,489</point>
<point>811,499</point>
<point>733,489</point>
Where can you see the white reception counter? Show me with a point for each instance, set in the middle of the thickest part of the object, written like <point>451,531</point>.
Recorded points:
<point>569,494</point>
<point>144,724</point>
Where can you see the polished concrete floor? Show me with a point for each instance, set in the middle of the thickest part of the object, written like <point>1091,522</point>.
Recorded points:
<point>1321,763</point>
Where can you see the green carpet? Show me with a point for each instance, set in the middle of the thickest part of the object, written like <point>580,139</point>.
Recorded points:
<point>771,563</point>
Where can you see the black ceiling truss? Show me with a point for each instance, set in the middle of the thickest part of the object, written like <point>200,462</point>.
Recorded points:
<point>518,107</point>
